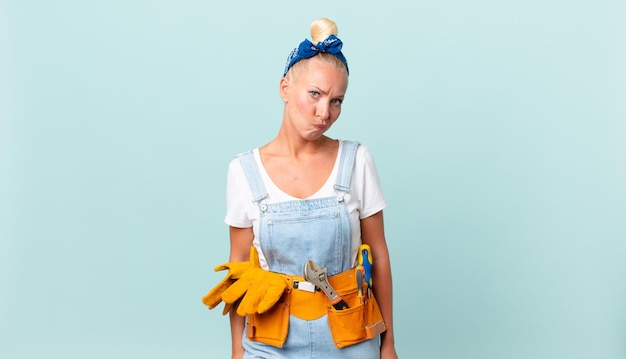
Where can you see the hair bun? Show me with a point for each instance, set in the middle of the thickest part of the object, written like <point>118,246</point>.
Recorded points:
<point>322,28</point>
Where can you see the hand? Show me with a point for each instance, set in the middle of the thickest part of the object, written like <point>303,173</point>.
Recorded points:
<point>388,352</point>
<point>237,354</point>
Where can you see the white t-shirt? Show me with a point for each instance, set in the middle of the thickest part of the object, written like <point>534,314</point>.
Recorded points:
<point>364,199</point>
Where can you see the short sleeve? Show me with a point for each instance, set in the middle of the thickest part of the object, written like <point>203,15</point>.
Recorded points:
<point>367,184</point>
<point>238,197</point>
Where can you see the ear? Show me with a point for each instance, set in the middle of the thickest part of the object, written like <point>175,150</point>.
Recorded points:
<point>284,88</point>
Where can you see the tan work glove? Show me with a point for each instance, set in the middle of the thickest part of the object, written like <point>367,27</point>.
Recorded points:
<point>259,288</point>
<point>235,270</point>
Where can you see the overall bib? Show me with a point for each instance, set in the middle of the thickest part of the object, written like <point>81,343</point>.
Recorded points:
<point>290,234</point>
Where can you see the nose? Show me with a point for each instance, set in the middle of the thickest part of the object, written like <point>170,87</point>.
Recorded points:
<point>322,111</point>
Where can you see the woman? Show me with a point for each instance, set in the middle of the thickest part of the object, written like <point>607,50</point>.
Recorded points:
<point>306,197</point>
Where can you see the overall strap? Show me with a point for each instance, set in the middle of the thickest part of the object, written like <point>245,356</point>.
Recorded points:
<point>346,165</point>
<point>251,170</point>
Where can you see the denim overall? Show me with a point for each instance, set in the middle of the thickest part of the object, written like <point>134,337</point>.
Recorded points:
<point>293,232</point>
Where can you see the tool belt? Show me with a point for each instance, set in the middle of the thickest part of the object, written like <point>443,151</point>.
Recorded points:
<point>362,320</point>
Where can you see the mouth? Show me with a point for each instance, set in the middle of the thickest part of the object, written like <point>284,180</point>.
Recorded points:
<point>320,127</point>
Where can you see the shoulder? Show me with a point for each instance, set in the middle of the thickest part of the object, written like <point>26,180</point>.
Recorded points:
<point>250,152</point>
<point>236,161</point>
<point>239,162</point>
<point>363,153</point>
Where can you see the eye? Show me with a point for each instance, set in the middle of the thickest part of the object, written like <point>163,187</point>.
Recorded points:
<point>337,101</point>
<point>314,93</point>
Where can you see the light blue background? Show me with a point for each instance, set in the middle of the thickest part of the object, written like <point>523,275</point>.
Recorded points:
<point>498,127</point>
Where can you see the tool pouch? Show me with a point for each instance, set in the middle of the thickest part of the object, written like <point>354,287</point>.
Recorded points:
<point>270,327</point>
<point>361,321</point>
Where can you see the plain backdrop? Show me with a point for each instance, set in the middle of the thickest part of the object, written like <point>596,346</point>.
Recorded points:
<point>498,129</point>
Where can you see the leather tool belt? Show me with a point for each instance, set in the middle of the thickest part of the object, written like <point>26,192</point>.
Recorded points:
<point>361,321</point>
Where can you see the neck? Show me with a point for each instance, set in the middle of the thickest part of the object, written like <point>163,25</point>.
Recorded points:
<point>290,144</point>
<point>296,146</point>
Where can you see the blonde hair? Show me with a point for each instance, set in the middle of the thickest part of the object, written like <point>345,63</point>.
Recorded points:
<point>320,30</point>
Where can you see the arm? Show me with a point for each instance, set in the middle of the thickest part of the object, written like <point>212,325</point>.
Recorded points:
<point>373,234</point>
<point>240,242</point>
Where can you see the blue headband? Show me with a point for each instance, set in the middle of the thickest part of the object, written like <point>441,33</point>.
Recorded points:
<point>306,50</point>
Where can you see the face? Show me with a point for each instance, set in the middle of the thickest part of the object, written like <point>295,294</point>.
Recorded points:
<point>313,99</point>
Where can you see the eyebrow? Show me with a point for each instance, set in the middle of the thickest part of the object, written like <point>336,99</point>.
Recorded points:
<point>325,92</point>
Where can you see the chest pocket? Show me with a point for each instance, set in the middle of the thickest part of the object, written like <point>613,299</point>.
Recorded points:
<point>292,233</point>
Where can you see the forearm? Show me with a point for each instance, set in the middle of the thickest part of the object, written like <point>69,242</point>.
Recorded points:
<point>383,290</point>
<point>240,242</point>
<point>237,324</point>
<point>373,234</point>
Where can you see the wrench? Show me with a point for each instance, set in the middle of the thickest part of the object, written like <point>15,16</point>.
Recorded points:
<point>317,275</point>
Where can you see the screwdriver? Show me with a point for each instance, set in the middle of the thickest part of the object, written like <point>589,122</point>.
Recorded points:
<point>365,259</point>
<point>359,282</point>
